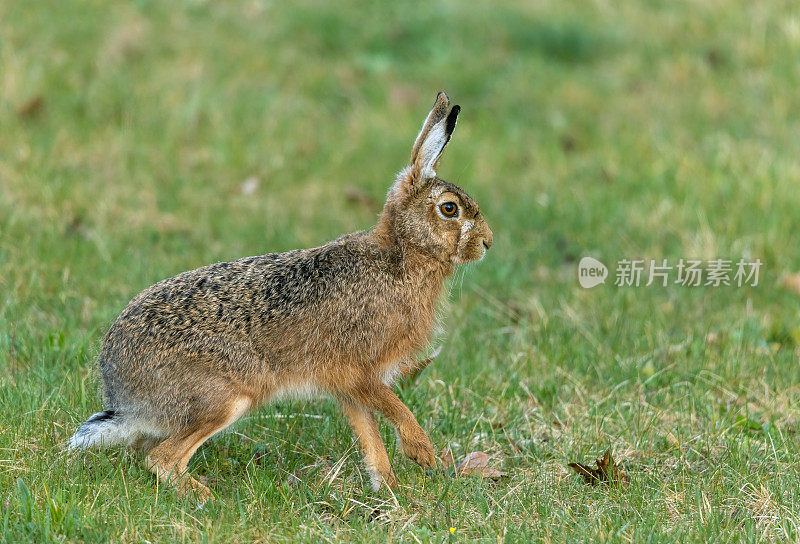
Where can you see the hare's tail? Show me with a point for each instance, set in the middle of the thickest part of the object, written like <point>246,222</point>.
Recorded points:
<point>103,429</point>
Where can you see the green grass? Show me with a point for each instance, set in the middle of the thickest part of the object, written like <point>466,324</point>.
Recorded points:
<point>617,130</point>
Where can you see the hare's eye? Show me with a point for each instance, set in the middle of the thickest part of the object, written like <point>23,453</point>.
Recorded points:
<point>449,209</point>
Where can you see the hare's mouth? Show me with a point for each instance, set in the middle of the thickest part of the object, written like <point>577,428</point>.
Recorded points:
<point>470,253</point>
<point>484,248</point>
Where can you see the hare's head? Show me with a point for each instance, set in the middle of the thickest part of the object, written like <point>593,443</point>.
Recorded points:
<point>429,213</point>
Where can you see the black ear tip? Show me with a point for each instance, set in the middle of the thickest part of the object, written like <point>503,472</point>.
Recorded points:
<point>450,124</point>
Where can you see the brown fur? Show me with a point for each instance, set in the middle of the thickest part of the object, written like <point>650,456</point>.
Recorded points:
<point>191,354</point>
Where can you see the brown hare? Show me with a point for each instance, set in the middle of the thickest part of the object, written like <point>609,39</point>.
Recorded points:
<point>193,353</point>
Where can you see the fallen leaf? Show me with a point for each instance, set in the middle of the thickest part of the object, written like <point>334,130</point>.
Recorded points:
<point>607,471</point>
<point>476,463</point>
<point>475,459</point>
<point>447,459</point>
<point>791,282</point>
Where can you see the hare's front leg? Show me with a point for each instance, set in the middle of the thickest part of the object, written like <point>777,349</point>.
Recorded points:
<point>415,443</point>
<point>365,426</point>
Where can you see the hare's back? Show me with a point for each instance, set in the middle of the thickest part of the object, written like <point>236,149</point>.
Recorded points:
<point>241,297</point>
<point>219,298</point>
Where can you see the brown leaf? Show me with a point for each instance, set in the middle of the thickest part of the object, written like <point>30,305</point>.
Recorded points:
<point>476,463</point>
<point>590,475</point>
<point>473,460</point>
<point>607,471</point>
<point>490,473</point>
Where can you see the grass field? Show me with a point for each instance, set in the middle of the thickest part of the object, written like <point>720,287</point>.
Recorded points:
<point>141,139</point>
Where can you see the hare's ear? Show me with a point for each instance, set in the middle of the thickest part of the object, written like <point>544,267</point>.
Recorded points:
<point>437,113</point>
<point>432,139</point>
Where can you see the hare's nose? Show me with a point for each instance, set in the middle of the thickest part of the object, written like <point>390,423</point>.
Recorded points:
<point>487,240</point>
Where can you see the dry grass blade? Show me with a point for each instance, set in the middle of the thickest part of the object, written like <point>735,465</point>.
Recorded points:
<point>447,459</point>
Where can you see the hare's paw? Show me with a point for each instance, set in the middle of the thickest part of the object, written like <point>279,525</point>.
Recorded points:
<point>390,480</point>
<point>419,449</point>
<point>190,488</point>
<point>377,479</point>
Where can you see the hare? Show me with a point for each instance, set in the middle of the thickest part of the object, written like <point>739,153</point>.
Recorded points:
<point>193,353</point>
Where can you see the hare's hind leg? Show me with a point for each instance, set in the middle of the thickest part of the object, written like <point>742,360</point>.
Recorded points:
<point>169,459</point>
<point>144,443</point>
<point>365,426</point>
